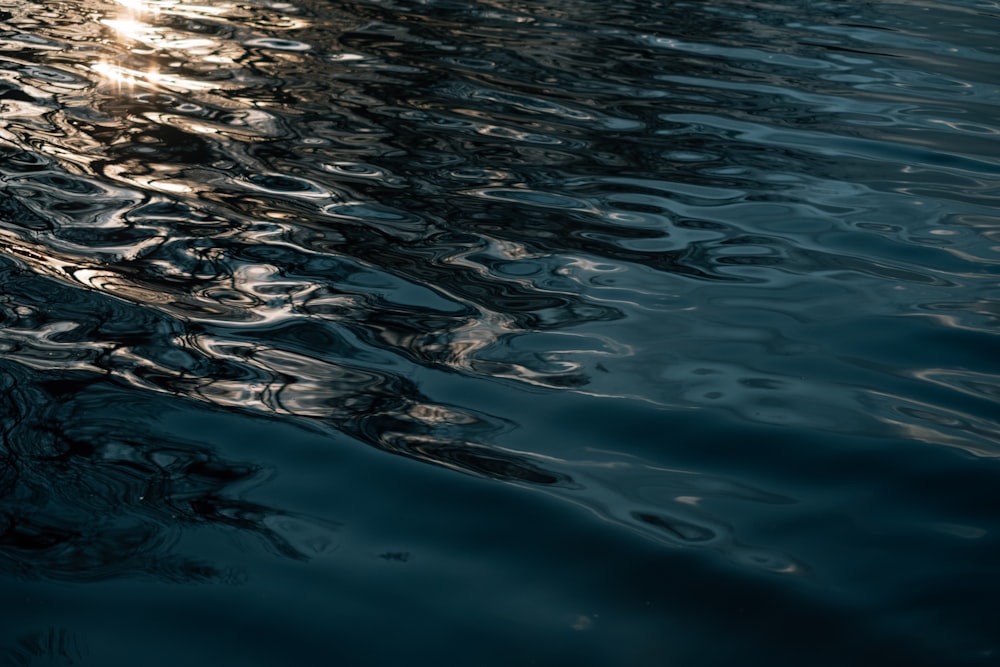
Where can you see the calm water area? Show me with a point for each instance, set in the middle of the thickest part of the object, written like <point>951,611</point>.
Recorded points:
<point>494,333</point>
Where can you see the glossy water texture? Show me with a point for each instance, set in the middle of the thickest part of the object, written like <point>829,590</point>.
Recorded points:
<point>440,332</point>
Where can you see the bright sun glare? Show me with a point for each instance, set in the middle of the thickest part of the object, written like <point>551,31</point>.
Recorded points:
<point>136,24</point>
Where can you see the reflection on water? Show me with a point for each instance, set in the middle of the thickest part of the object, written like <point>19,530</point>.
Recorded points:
<point>88,495</point>
<point>454,230</point>
<point>54,644</point>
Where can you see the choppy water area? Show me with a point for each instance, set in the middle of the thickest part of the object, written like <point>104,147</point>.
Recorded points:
<point>499,333</point>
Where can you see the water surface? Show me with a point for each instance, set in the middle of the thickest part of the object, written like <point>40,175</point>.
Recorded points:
<point>499,333</point>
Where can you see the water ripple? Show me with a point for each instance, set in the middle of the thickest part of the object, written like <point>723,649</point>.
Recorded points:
<point>419,224</point>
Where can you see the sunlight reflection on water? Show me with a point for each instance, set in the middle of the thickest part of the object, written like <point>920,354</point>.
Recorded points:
<point>720,279</point>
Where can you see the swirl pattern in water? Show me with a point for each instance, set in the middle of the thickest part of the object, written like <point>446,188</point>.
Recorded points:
<point>719,282</point>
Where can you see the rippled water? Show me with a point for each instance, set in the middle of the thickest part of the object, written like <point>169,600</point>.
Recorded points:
<point>690,307</point>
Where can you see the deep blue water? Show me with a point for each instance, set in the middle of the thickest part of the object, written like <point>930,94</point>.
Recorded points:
<point>422,332</point>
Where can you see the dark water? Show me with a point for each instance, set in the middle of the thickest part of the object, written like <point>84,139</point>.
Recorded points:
<point>576,332</point>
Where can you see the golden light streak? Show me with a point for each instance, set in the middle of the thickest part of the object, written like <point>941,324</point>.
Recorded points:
<point>149,79</point>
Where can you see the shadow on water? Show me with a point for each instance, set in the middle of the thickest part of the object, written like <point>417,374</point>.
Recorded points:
<point>89,493</point>
<point>52,646</point>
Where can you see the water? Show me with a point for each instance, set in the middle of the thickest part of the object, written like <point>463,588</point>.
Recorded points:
<point>499,333</point>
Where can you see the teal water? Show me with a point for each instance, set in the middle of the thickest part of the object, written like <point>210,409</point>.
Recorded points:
<point>499,333</point>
